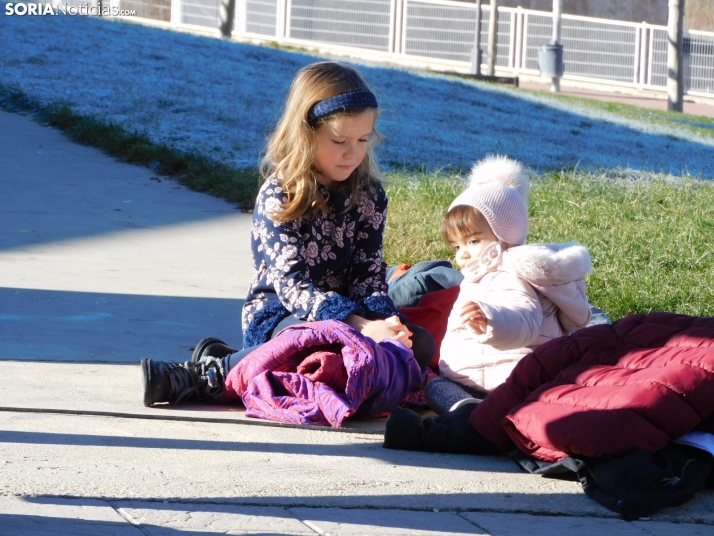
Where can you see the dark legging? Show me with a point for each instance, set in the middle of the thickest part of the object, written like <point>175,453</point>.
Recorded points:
<point>422,345</point>
<point>441,394</point>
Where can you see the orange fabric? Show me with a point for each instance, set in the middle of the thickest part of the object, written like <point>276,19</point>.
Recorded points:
<point>399,269</point>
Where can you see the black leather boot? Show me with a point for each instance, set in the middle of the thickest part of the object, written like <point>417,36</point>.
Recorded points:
<point>211,347</point>
<point>172,382</point>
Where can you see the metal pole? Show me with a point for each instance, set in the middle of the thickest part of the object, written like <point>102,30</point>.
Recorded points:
<point>675,67</point>
<point>492,38</point>
<point>557,36</point>
<point>241,17</point>
<point>476,51</point>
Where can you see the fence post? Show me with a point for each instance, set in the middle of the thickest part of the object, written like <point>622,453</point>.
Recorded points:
<point>636,64</point>
<point>524,41</point>
<point>175,12</point>
<point>675,65</point>
<point>517,55</point>
<point>241,17</point>
<point>492,38</point>
<point>281,22</point>
<point>395,26</point>
<point>112,4</point>
<point>512,40</point>
<point>476,50</point>
<point>392,26</point>
<point>650,61</point>
<point>643,55</point>
<point>404,5</point>
<point>557,37</point>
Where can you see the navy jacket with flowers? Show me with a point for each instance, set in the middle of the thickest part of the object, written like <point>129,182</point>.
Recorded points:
<point>323,268</point>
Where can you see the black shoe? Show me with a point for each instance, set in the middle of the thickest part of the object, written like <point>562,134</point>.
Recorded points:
<point>173,382</point>
<point>451,432</point>
<point>404,430</point>
<point>210,346</point>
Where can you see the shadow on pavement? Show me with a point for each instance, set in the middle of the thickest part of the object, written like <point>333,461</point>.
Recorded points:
<point>49,325</point>
<point>52,525</point>
<point>367,449</point>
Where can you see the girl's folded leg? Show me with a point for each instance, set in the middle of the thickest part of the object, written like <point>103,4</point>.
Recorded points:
<point>443,394</point>
<point>451,432</point>
<point>231,360</point>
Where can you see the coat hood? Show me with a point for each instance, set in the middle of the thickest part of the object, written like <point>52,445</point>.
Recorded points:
<point>547,264</point>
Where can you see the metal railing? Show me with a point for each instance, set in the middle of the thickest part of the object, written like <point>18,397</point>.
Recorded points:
<point>442,34</point>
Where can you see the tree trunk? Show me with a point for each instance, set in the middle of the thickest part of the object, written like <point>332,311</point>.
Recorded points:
<point>227,14</point>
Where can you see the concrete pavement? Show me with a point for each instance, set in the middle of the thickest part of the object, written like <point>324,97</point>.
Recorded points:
<point>102,263</point>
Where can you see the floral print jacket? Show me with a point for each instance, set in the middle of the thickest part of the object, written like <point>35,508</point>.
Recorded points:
<point>325,267</point>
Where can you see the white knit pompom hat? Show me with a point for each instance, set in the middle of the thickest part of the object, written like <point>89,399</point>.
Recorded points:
<point>498,189</point>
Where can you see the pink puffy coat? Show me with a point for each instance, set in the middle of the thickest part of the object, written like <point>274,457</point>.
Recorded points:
<point>530,294</point>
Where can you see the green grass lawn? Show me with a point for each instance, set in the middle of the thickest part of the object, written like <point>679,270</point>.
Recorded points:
<point>650,239</point>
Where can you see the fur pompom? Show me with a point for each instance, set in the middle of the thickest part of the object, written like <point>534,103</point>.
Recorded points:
<point>501,169</point>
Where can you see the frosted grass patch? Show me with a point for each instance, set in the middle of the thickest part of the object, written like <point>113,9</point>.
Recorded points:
<point>221,98</point>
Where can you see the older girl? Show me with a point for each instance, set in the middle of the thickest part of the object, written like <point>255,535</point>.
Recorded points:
<point>319,217</point>
<point>317,232</point>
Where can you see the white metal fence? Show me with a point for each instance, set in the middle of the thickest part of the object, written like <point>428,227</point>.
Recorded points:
<point>443,32</point>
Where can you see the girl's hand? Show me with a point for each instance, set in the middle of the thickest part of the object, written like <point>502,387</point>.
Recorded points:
<point>473,316</point>
<point>379,330</point>
<point>403,334</point>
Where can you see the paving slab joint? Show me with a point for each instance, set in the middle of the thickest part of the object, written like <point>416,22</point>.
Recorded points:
<point>126,517</point>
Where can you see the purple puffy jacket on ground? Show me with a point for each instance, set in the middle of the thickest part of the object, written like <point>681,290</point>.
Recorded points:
<point>379,376</point>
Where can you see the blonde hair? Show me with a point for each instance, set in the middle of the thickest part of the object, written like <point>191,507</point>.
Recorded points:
<point>292,149</point>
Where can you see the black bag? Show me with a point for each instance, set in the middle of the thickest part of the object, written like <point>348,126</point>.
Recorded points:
<point>638,484</point>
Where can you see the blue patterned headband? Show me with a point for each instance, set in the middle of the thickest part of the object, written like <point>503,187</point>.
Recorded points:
<point>355,99</point>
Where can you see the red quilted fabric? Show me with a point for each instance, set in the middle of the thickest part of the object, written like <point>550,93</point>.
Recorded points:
<point>607,390</point>
<point>325,367</point>
<point>431,313</point>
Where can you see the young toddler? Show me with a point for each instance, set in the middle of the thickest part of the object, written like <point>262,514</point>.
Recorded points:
<point>513,297</point>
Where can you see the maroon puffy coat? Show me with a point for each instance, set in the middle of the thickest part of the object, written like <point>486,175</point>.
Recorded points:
<point>607,390</point>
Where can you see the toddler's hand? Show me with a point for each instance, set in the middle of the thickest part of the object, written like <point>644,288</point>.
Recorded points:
<point>472,315</point>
